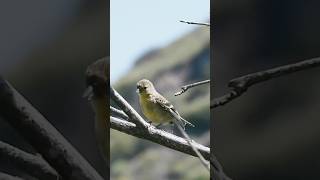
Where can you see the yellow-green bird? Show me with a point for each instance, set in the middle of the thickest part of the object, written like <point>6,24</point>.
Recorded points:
<point>155,107</point>
<point>97,83</point>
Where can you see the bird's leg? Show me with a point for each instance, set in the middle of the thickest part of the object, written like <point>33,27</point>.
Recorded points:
<point>159,125</point>
<point>171,127</point>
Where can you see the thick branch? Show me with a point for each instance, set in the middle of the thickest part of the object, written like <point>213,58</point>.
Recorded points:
<point>4,176</point>
<point>33,165</point>
<point>186,87</point>
<point>241,84</point>
<point>43,136</point>
<point>160,137</point>
<point>171,141</point>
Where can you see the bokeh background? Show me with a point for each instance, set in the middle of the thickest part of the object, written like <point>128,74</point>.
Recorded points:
<point>45,48</point>
<point>273,130</point>
<point>150,42</point>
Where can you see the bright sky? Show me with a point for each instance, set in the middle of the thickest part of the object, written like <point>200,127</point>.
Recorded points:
<point>140,25</point>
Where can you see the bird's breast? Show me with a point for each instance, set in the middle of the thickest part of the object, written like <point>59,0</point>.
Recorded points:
<point>153,111</point>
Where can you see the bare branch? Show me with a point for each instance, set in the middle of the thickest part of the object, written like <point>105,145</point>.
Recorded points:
<point>195,23</point>
<point>126,107</point>
<point>118,113</point>
<point>241,84</point>
<point>33,165</point>
<point>159,136</point>
<point>190,142</point>
<point>171,141</point>
<point>186,87</point>
<point>54,148</point>
<point>4,176</point>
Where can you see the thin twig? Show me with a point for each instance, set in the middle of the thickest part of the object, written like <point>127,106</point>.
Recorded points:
<point>33,165</point>
<point>118,113</point>
<point>36,129</point>
<point>241,84</point>
<point>186,87</point>
<point>190,142</point>
<point>195,23</point>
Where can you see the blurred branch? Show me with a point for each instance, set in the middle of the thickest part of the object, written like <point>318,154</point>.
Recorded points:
<point>241,84</point>
<point>186,87</point>
<point>33,165</point>
<point>217,172</point>
<point>195,23</point>
<point>36,129</point>
<point>4,176</point>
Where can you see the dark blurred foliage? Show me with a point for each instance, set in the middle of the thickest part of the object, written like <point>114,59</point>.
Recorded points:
<point>45,48</point>
<point>273,130</point>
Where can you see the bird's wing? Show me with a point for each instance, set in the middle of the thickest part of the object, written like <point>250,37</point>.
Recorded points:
<point>165,104</point>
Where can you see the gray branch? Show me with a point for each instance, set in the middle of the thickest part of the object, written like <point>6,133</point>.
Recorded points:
<point>54,148</point>
<point>31,164</point>
<point>126,107</point>
<point>118,113</point>
<point>241,84</point>
<point>160,137</point>
<point>186,87</point>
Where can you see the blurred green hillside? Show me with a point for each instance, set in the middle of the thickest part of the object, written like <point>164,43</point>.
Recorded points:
<point>185,61</point>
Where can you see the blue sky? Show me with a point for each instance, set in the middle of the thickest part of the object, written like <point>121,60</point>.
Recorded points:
<point>140,25</point>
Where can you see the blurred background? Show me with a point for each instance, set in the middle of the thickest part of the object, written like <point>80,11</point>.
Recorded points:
<point>45,48</point>
<point>273,130</point>
<point>148,41</point>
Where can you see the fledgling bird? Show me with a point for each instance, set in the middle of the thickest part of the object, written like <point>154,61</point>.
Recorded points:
<point>97,82</point>
<point>157,108</point>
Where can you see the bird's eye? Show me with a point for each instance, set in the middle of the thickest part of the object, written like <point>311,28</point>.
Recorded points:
<point>145,87</point>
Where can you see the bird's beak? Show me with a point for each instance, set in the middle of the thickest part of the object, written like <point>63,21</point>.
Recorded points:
<point>88,93</point>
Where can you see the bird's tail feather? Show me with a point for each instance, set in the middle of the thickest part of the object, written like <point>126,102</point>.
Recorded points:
<point>187,122</point>
<point>180,120</point>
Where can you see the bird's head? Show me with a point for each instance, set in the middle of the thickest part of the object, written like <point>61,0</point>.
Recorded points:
<point>97,79</point>
<point>144,87</point>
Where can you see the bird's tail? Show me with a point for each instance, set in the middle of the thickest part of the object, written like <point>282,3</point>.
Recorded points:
<point>182,122</point>
<point>186,122</point>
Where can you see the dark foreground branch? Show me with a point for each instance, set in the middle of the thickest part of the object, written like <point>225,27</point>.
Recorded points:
<point>4,176</point>
<point>241,84</point>
<point>54,148</point>
<point>29,163</point>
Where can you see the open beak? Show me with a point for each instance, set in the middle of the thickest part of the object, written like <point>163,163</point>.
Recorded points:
<point>88,93</point>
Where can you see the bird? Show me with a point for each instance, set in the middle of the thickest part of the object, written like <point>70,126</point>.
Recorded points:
<point>156,107</point>
<point>97,81</point>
